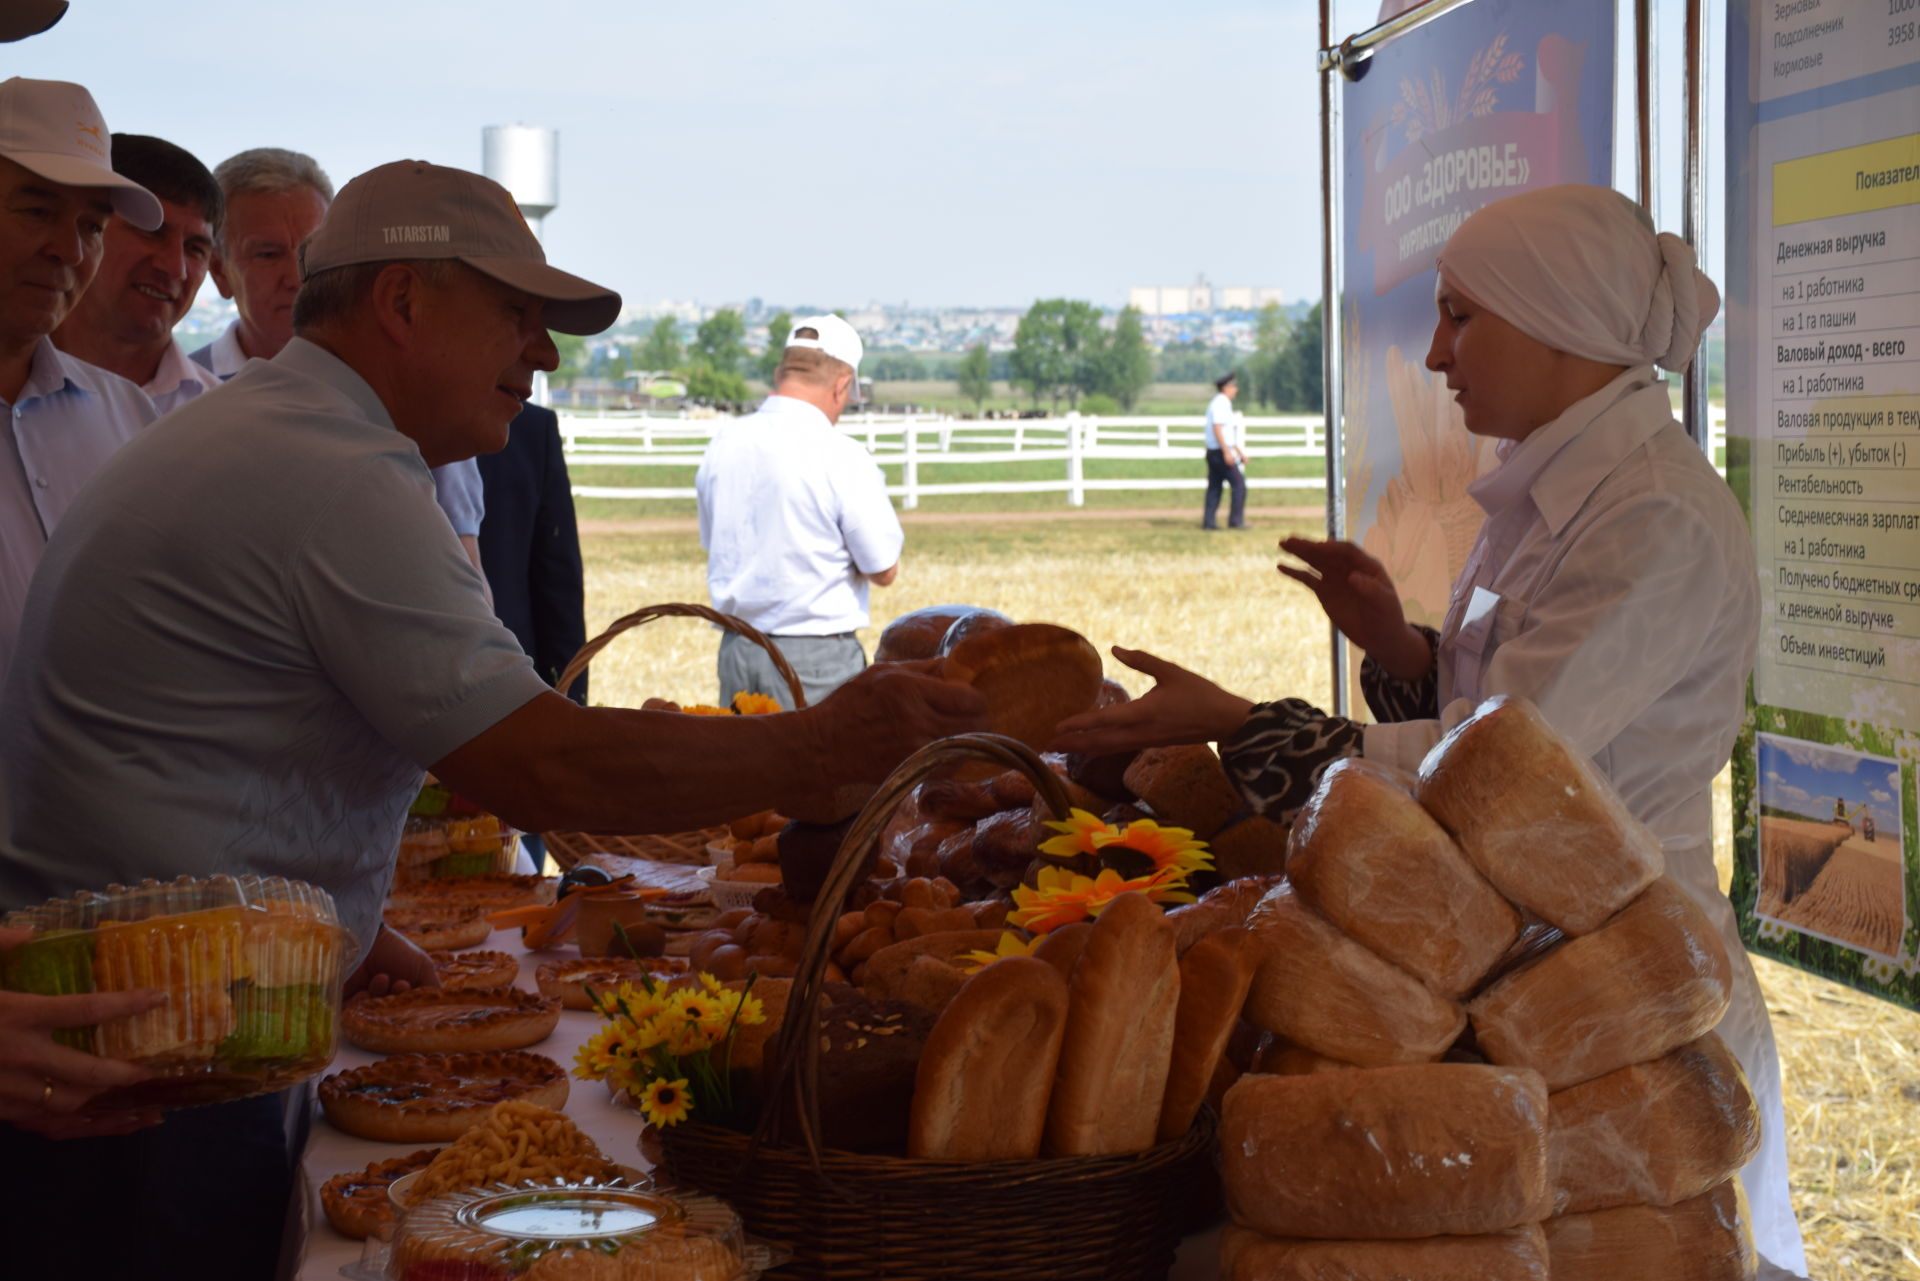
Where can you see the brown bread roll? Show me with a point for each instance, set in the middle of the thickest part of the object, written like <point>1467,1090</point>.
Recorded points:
<point>1125,994</point>
<point>1378,866</point>
<point>1648,981</point>
<point>1536,817</point>
<point>1319,988</point>
<point>1444,1149</point>
<point>924,969</point>
<point>1652,1134</point>
<point>1185,786</point>
<point>918,634</point>
<point>1214,977</point>
<point>1519,1255</point>
<point>1251,846</point>
<point>987,1071</point>
<point>1706,1238</point>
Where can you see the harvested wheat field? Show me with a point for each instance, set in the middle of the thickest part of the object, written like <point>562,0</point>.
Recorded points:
<point>1214,603</point>
<point>1859,898</point>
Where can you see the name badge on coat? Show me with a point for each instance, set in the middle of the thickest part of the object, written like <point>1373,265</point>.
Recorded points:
<point>1474,641</point>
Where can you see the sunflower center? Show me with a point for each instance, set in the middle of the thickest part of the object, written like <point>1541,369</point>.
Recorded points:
<point>1130,863</point>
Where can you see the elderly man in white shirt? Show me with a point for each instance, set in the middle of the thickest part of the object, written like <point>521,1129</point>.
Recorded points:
<point>796,522</point>
<point>1612,583</point>
<point>59,197</point>
<point>148,279</point>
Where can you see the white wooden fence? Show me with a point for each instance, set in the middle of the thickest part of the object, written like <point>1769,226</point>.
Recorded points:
<point>617,439</point>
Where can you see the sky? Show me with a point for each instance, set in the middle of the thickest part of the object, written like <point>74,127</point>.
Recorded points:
<point>838,152</point>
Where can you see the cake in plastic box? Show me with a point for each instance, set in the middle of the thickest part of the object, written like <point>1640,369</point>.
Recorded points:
<point>253,966</point>
<point>448,835</point>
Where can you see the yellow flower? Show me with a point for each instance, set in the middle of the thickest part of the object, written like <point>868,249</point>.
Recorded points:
<point>711,984</point>
<point>1010,944</point>
<point>739,1007</point>
<point>1062,897</point>
<point>666,1102</point>
<point>635,1039</point>
<point>599,1057</point>
<point>1163,847</point>
<point>686,1037</point>
<point>637,1004</point>
<point>708,1011</point>
<point>706,709</point>
<point>1081,834</point>
<point>750,704</point>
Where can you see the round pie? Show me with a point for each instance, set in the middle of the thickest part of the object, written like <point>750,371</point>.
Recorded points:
<point>430,1098</point>
<point>475,969</point>
<point>356,1202</point>
<point>441,929</point>
<point>569,979</point>
<point>432,1018</point>
<point>492,893</point>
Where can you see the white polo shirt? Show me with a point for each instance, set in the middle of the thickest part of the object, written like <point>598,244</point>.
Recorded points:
<point>1223,424</point>
<point>178,379</point>
<point>69,418</point>
<point>793,515</point>
<point>223,355</point>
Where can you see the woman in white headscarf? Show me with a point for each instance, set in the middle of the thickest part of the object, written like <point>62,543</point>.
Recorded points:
<point>1612,581</point>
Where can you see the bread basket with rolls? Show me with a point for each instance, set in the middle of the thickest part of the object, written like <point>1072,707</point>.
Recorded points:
<point>568,848</point>
<point>991,1193</point>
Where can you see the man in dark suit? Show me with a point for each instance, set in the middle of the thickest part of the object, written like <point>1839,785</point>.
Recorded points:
<point>530,546</point>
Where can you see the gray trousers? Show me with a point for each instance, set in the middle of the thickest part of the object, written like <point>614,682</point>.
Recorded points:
<point>823,664</point>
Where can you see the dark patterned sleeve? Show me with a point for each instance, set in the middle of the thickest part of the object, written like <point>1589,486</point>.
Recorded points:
<point>1276,758</point>
<point>1396,700</point>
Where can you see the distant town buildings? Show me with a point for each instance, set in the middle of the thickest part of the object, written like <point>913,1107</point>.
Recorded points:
<point>1201,298</point>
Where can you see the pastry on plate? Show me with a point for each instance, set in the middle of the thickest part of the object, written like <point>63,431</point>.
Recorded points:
<point>568,980</point>
<point>356,1201</point>
<point>430,1018</point>
<point>475,969</point>
<point>430,1098</point>
<point>494,892</point>
<point>441,929</point>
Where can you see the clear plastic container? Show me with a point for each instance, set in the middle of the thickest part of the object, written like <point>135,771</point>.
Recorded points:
<point>252,965</point>
<point>550,1231</point>
<point>447,836</point>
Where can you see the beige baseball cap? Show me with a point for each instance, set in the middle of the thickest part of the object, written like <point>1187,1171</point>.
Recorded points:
<point>412,209</point>
<point>54,129</point>
<point>837,339</point>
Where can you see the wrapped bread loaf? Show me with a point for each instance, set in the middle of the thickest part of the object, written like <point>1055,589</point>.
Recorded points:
<point>1278,1056</point>
<point>1220,908</point>
<point>1320,989</point>
<point>1536,817</point>
<point>1377,865</point>
<point>1648,981</point>
<point>1705,1238</point>
<point>1185,786</point>
<point>1519,1255</point>
<point>1444,1149</point>
<point>1214,977</point>
<point>1654,1133</point>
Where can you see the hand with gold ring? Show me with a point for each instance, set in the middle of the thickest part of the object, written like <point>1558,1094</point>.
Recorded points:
<point>43,1084</point>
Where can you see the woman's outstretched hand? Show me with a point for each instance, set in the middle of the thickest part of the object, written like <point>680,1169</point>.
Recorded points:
<point>1360,599</point>
<point>1182,707</point>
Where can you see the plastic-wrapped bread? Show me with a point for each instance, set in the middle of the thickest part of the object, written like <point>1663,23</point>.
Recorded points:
<point>1377,865</point>
<point>1519,1255</point>
<point>1280,1057</point>
<point>1654,1133</point>
<point>1443,1149</point>
<point>1321,989</point>
<point>1706,1238</point>
<point>1220,908</point>
<point>1536,817</point>
<point>1648,981</point>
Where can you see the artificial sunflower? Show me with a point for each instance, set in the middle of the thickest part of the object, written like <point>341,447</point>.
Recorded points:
<point>1063,897</point>
<point>1144,846</point>
<point>1011,944</point>
<point>666,1102</point>
<point>748,703</point>
<point>700,1008</point>
<point>706,709</point>
<point>1080,833</point>
<point>600,1057</point>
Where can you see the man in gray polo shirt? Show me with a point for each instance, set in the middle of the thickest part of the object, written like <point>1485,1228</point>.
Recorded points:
<point>254,630</point>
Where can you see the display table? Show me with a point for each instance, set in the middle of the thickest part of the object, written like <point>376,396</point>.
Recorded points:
<point>615,1129</point>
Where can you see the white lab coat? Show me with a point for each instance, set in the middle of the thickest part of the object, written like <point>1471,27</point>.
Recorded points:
<point>1613,584</point>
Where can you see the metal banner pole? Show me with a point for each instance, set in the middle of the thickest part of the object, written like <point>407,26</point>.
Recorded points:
<point>1330,328</point>
<point>1693,217</point>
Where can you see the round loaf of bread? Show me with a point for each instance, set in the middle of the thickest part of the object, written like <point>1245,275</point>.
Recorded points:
<point>1034,675</point>
<point>431,1098</point>
<point>918,634</point>
<point>430,1018</point>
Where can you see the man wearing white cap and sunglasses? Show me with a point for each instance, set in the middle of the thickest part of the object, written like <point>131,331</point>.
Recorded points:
<point>796,522</point>
<point>63,417</point>
<point>256,628</point>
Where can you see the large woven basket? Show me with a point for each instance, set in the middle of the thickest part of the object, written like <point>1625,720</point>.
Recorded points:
<point>852,1217</point>
<point>568,848</point>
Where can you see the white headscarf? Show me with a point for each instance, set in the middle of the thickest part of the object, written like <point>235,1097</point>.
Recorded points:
<point>1582,270</point>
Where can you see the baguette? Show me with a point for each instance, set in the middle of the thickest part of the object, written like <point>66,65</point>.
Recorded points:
<point>1214,978</point>
<point>986,1074</point>
<point>1062,948</point>
<point>1125,994</point>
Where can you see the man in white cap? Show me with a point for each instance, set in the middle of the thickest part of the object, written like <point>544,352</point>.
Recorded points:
<point>62,417</point>
<point>796,522</point>
<point>254,631</point>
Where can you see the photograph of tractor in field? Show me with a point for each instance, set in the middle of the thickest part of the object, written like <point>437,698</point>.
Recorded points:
<point>1835,876</point>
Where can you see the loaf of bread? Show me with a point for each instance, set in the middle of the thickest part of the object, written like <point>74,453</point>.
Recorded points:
<point>1185,786</point>
<point>1214,977</point>
<point>1646,982</point>
<point>1125,996</point>
<point>1253,845</point>
<point>1377,865</point>
<point>918,634</point>
<point>1443,1149</point>
<point>1220,908</point>
<point>1518,1255</point>
<point>1705,1238</point>
<point>1277,1056</point>
<point>1033,676</point>
<point>869,1056</point>
<point>924,970</point>
<point>1536,817</point>
<point>1655,1133</point>
<point>987,1071</point>
<point>1062,946</point>
<point>1319,988</point>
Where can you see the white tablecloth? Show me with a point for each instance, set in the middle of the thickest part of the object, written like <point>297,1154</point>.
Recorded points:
<point>616,1130</point>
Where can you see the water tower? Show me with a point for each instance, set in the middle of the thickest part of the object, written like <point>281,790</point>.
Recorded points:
<point>525,159</point>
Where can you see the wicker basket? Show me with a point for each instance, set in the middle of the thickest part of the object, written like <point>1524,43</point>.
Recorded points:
<point>851,1217</point>
<point>568,848</point>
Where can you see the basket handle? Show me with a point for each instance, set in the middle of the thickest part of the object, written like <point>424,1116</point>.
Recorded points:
<point>648,613</point>
<point>793,1094</point>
